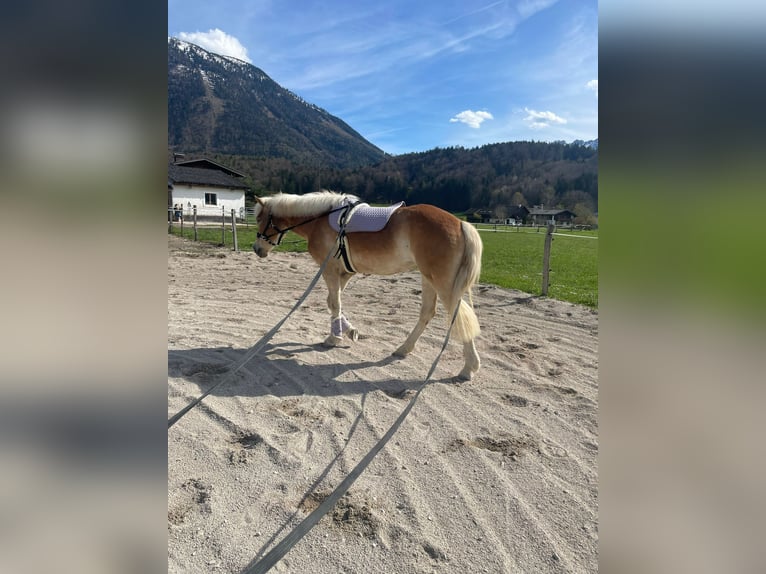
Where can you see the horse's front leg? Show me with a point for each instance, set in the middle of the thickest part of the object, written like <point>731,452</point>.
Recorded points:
<point>339,325</point>
<point>347,328</point>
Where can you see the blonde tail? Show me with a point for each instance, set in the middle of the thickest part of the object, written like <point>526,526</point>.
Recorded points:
<point>466,324</point>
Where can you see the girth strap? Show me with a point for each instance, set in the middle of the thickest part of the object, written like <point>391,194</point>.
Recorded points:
<point>342,252</point>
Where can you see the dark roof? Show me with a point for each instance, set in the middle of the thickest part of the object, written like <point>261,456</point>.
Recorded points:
<point>517,210</point>
<point>512,211</point>
<point>209,164</point>
<point>538,211</point>
<point>202,176</point>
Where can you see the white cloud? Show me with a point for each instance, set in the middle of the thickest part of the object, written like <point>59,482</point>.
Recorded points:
<point>528,8</point>
<point>539,120</point>
<point>471,118</point>
<point>217,41</point>
<point>593,85</point>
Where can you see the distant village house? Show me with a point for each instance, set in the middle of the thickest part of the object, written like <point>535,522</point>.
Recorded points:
<point>539,215</point>
<point>520,215</point>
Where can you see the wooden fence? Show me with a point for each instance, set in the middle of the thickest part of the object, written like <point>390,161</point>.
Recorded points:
<point>228,226</point>
<point>177,216</point>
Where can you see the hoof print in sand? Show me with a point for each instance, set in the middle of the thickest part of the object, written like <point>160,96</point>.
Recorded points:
<point>194,497</point>
<point>356,516</point>
<point>400,394</point>
<point>243,444</point>
<point>516,400</point>
<point>349,514</point>
<point>434,553</point>
<point>551,449</point>
<point>295,409</point>
<point>249,441</point>
<point>511,447</point>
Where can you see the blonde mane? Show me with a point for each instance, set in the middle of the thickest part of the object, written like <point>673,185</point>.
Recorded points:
<point>290,205</point>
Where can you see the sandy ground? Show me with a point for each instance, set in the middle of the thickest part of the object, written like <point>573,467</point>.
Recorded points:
<point>498,474</point>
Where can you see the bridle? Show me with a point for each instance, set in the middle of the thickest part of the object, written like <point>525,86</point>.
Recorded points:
<point>280,233</point>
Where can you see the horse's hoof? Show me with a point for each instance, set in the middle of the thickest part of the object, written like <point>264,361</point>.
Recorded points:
<point>465,375</point>
<point>401,352</point>
<point>352,334</point>
<point>332,341</point>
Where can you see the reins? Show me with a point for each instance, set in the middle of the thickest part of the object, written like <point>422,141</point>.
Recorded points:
<point>285,545</point>
<point>267,337</point>
<point>281,232</point>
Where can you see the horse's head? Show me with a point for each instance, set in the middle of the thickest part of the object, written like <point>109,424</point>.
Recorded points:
<point>268,236</point>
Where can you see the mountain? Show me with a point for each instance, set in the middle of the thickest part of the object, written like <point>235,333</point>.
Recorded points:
<point>221,105</point>
<point>592,144</point>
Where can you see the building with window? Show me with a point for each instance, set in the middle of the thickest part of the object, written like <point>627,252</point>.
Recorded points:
<point>209,186</point>
<point>539,215</point>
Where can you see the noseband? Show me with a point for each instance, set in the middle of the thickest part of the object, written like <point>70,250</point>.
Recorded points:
<point>280,233</point>
<point>267,237</point>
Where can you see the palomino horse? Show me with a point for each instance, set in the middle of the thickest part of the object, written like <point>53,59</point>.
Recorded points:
<point>445,250</point>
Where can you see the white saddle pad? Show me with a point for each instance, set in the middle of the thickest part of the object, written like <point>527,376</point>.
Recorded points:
<point>364,219</point>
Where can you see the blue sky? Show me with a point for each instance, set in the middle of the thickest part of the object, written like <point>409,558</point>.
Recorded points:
<point>412,76</point>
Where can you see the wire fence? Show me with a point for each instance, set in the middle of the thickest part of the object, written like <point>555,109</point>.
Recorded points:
<point>567,229</point>
<point>525,265</point>
<point>527,258</point>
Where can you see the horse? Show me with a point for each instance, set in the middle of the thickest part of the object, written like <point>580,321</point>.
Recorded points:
<point>445,250</point>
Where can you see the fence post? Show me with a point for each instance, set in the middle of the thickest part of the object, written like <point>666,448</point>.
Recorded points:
<point>194,219</point>
<point>223,226</point>
<point>547,257</point>
<point>234,229</point>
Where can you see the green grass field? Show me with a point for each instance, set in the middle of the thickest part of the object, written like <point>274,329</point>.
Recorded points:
<point>511,259</point>
<point>245,237</point>
<point>515,260</point>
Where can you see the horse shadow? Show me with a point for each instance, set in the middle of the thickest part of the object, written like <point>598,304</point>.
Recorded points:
<point>278,371</point>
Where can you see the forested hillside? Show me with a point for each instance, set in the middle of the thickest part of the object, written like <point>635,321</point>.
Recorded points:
<point>457,179</point>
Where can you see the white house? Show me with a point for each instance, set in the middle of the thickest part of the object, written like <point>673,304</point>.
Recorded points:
<point>206,185</point>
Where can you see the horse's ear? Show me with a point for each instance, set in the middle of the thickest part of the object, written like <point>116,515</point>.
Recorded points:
<point>258,199</point>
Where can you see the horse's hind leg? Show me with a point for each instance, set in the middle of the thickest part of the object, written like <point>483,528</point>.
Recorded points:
<point>427,312</point>
<point>472,362</point>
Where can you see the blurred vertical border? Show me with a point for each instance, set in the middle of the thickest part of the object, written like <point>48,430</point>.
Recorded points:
<point>82,392</point>
<point>84,316</point>
<point>682,264</point>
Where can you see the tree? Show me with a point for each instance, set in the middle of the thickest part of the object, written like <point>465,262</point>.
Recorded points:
<point>583,215</point>
<point>575,196</point>
<point>548,197</point>
<point>518,199</point>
